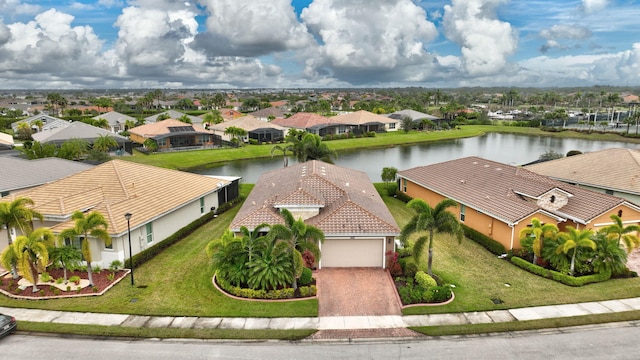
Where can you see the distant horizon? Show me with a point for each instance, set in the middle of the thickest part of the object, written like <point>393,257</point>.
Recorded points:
<point>317,44</point>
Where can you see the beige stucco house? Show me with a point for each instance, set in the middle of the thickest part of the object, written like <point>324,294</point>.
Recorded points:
<point>358,227</point>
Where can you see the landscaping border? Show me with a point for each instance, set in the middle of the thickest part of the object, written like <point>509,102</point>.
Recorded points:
<point>215,284</point>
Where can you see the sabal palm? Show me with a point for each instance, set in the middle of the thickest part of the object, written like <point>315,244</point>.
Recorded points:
<point>67,256</point>
<point>272,266</point>
<point>32,251</point>
<point>433,220</point>
<point>626,235</point>
<point>18,215</point>
<point>91,225</point>
<point>300,237</point>
<point>537,232</point>
<point>575,240</point>
<point>228,258</point>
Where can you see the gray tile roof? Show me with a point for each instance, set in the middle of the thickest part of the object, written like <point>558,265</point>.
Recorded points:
<point>506,191</point>
<point>75,130</point>
<point>347,201</point>
<point>20,173</point>
<point>114,118</point>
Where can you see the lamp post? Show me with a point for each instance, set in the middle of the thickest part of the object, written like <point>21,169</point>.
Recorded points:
<point>128,217</point>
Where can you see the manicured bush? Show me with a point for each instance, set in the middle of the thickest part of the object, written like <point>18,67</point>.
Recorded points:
<point>306,278</point>
<point>45,277</point>
<point>249,293</point>
<point>558,276</point>
<point>425,280</point>
<point>485,241</point>
<point>403,197</point>
<point>75,279</point>
<point>410,268</point>
<point>440,294</point>
<point>308,291</point>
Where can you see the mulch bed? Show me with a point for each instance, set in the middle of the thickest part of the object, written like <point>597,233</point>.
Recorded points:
<point>100,281</point>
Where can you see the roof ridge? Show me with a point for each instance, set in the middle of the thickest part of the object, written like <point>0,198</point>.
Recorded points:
<point>119,177</point>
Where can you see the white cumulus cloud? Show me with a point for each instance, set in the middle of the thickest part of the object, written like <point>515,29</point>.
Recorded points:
<point>591,6</point>
<point>486,42</point>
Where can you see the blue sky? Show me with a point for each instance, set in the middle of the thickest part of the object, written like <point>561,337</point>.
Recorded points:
<point>318,43</point>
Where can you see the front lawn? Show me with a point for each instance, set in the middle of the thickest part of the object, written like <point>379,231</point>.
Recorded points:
<point>481,277</point>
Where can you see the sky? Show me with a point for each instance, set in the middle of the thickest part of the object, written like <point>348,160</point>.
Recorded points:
<point>236,44</point>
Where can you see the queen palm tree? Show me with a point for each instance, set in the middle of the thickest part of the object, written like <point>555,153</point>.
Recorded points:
<point>433,220</point>
<point>573,241</point>
<point>625,235</point>
<point>284,150</point>
<point>32,252</point>
<point>104,143</point>
<point>250,240</point>
<point>92,225</point>
<point>533,237</point>
<point>300,237</point>
<point>314,149</point>
<point>17,214</point>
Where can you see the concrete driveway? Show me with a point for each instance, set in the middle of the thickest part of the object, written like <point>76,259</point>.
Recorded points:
<point>356,292</point>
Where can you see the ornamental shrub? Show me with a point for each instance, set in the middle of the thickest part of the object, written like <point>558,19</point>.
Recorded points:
<point>410,269</point>
<point>440,294</point>
<point>306,278</point>
<point>425,280</point>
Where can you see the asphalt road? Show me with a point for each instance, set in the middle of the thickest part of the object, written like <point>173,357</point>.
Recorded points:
<point>614,341</point>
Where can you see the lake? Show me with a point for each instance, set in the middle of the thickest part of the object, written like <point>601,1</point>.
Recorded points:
<point>510,149</point>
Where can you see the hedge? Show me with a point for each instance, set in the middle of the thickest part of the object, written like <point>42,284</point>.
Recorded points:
<point>485,241</point>
<point>248,293</point>
<point>558,276</point>
<point>148,254</point>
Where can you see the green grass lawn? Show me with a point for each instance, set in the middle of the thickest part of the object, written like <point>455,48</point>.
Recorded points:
<point>202,158</point>
<point>479,276</point>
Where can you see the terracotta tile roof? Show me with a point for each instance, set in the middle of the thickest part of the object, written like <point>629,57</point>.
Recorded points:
<point>162,128</point>
<point>248,123</point>
<point>117,187</point>
<point>615,169</point>
<point>506,192</point>
<point>347,201</point>
<point>361,117</point>
<point>302,120</point>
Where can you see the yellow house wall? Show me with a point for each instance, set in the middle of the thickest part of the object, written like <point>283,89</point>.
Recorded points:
<point>137,138</point>
<point>479,221</point>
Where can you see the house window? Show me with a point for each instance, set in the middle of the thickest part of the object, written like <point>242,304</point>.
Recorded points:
<point>609,192</point>
<point>463,209</point>
<point>76,242</point>
<point>110,246</point>
<point>392,126</point>
<point>149,227</point>
<point>404,185</point>
<point>162,142</point>
<point>201,205</point>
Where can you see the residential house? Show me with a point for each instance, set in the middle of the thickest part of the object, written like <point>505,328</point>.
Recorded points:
<point>116,120</point>
<point>173,114</point>
<point>230,114</point>
<point>614,171</point>
<point>160,200</point>
<point>21,174</point>
<point>48,122</point>
<point>174,134</point>
<point>268,114</point>
<point>416,116</point>
<point>358,227</point>
<point>259,130</point>
<point>80,130</point>
<point>499,200</point>
<point>310,122</point>
<point>363,121</point>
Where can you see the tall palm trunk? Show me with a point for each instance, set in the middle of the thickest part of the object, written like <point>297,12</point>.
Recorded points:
<point>14,269</point>
<point>430,254</point>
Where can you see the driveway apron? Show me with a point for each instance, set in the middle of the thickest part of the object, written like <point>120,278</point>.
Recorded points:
<point>356,292</point>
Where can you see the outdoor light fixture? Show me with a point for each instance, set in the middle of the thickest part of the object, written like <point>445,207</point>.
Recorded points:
<point>128,217</point>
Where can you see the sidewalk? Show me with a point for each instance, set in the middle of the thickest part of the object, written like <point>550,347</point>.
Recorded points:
<point>326,323</point>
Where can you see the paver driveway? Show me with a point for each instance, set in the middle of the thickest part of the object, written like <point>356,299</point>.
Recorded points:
<point>356,292</point>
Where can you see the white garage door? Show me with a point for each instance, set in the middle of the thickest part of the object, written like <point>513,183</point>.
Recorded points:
<point>352,253</point>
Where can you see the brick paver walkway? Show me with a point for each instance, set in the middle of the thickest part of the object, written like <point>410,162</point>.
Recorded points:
<point>356,292</point>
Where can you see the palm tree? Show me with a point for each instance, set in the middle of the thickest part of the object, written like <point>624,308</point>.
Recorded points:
<point>433,220</point>
<point>101,123</point>
<point>574,240</point>
<point>212,117</point>
<point>250,240</point>
<point>104,143</point>
<point>284,150</point>
<point>18,215</point>
<point>228,258</point>
<point>32,252</point>
<point>300,237</point>
<point>533,237</point>
<point>623,234</point>
<point>91,225</point>
<point>608,256</point>
<point>236,134</point>
<point>271,268</point>
<point>314,149</point>
<point>67,256</point>
<point>37,123</point>
<point>73,149</point>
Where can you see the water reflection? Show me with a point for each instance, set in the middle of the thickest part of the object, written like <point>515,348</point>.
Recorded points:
<point>506,148</point>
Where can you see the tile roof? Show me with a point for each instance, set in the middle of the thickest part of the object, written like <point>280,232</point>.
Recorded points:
<point>347,201</point>
<point>20,173</point>
<point>173,114</point>
<point>505,191</point>
<point>303,120</point>
<point>362,117</point>
<point>114,117</point>
<point>276,112</point>
<point>248,123</point>
<point>162,128</point>
<point>49,122</point>
<point>117,187</point>
<point>615,169</point>
<point>414,115</point>
<point>75,130</point>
